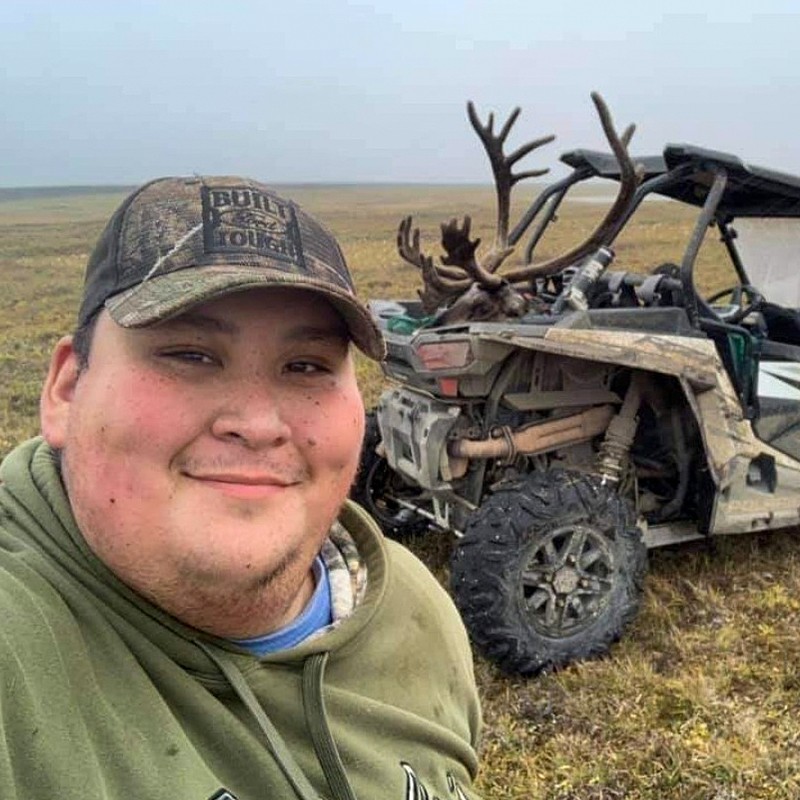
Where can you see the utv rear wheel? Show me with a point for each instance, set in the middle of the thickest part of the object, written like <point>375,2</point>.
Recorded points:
<point>549,571</point>
<point>378,488</point>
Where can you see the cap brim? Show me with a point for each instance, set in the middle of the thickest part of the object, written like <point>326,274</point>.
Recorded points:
<point>166,296</point>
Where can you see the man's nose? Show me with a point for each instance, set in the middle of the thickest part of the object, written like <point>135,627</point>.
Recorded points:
<point>254,416</point>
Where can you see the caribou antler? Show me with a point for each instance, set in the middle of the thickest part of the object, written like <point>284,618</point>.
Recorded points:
<point>630,178</point>
<point>504,177</point>
<point>478,284</point>
<point>439,283</point>
<point>459,268</point>
<point>461,253</point>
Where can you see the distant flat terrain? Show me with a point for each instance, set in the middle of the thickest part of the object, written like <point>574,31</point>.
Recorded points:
<point>46,192</point>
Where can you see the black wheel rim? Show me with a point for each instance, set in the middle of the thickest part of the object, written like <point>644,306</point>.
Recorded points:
<point>567,580</point>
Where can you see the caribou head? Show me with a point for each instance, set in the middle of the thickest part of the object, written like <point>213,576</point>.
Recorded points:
<point>465,287</point>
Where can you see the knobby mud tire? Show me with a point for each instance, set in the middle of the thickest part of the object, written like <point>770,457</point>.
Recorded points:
<point>376,483</point>
<point>549,571</point>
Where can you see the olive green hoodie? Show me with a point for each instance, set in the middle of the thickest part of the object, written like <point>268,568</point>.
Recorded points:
<point>103,695</point>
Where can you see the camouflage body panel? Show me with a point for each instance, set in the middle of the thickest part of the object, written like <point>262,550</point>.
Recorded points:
<point>729,441</point>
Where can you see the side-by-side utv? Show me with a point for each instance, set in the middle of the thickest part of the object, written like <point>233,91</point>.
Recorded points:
<point>561,417</point>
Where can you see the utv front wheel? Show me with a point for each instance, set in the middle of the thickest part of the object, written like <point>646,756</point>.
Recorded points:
<point>549,570</point>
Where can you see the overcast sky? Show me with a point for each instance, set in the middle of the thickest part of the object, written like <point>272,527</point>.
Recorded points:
<point>102,92</point>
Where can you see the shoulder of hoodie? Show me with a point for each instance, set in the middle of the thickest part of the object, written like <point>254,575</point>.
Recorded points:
<point>410,592</point>
<point>411,612</point>
<point>37,623</point>
<point>400,564</point>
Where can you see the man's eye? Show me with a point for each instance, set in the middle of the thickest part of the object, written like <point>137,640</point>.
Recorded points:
<point>306,368</point>
<point>191,356</point>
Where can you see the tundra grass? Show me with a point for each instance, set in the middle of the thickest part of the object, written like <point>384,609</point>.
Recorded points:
<point>699,701</point>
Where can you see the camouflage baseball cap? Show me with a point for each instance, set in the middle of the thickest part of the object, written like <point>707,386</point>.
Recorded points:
<point>177,242</point>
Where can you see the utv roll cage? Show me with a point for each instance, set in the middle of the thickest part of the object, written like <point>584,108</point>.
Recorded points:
<point>585,164</point>
<point>724,188</point>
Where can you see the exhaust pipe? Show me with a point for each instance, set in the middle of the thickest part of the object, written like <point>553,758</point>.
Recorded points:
<point>536,438</point>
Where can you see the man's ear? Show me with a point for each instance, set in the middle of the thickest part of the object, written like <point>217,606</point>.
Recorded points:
<point>57,393</point>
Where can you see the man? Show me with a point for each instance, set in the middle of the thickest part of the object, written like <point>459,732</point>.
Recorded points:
<point>191,608</point>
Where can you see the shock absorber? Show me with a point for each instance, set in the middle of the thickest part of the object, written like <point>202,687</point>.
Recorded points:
<point>613,454</point>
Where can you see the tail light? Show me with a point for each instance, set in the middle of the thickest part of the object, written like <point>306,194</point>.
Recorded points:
<point>445,357</point>
<point>436,356</point>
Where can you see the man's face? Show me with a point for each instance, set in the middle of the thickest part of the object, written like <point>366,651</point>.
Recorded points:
<point>205,458</point>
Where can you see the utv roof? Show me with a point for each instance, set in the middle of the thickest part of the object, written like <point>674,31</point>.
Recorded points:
<point>605,165</point>
<point>750,191</point>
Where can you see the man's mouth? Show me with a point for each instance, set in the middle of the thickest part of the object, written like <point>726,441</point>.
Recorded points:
<point>244,485</point>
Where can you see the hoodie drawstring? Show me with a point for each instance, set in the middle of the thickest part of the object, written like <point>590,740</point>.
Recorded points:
<point>317,722</point>
<point>275,744</point>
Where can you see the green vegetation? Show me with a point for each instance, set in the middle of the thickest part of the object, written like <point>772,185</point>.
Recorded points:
<point>700,700</point>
